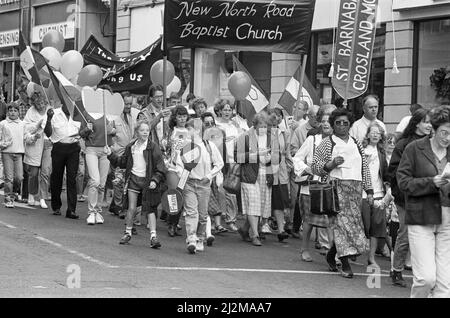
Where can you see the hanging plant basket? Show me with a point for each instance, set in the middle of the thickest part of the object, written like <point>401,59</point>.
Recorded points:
<point>440,81</point>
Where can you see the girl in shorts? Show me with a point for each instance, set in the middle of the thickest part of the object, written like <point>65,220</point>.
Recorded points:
<point>144,173</point>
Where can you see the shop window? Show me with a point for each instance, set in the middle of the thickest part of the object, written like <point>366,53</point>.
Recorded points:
<point>59,12</point>
<point>433,63</point>
<point>181,60</point>
<point>214,67</point>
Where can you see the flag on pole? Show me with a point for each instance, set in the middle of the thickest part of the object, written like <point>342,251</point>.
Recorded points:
<point>290,94</point>
<point>37,70</point>
<point>33,64</point>
<point>256,100</point>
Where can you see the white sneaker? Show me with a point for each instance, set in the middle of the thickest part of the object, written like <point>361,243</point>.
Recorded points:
<point>91,219</point>
<point>200,247</point>
<point>43,204</point>
<point>99,218</point>
<point>31,200</point>
<point>9,204</point>
<point>266,229</point>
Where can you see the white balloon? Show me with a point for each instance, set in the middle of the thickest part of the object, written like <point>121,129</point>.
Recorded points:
<point>72,63</point>
<point>53,56</point>
<point>174,86</point>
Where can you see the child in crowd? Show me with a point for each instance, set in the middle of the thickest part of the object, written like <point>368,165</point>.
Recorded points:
<point>12,148</point>
<point>374,217</point>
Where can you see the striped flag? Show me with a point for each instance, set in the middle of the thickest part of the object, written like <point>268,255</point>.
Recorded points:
<point>256,100</point>
<point>38,71</point>
<point>290,94</point>
<point>33,64</point>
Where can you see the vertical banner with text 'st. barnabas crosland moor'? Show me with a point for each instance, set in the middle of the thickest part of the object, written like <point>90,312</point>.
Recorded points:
<point>354,46</point>
<point>248,25</point>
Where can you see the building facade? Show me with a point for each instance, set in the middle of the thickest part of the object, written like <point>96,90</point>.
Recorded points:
<point>420,28</point>
<point>75,19</point>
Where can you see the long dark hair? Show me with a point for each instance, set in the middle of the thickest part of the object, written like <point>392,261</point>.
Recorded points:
<point>416,118</point>
<point>179,110</point>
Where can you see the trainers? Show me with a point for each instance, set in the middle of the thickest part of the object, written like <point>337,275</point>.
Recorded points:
<point>232,227</point>
<point>200,246</point>
<point>191,248</point>
<point>266,229</point>
<point>210,240</point>
<point>154,242</point>
<point>31,200</point>
<point>81,198</point>
<point>221,229</point>
<point>43,204</point>
<point>125,239</point>
<point>91,219</point>
<point>397,279</point>
<point>9,204</point>
<point>99,218</point>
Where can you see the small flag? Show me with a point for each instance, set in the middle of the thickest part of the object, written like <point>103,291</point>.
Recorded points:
<point>290,94</point>
<point>34,65</point>
<point>256,100</point>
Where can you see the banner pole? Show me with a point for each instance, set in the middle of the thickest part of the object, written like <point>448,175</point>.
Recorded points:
<point>104,118</point>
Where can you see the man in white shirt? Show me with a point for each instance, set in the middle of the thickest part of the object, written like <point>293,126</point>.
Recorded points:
<point>63,133</point>
<point>197,190</point>
<point>370,108</point>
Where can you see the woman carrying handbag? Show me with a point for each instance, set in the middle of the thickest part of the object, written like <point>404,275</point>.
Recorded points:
<point>341,158</point>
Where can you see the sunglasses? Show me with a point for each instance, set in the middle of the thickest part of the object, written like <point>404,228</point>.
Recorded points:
<point>342,123</point>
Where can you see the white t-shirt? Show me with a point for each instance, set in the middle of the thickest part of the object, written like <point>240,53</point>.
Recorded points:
<point>373,162</point>
<point>139,167</point>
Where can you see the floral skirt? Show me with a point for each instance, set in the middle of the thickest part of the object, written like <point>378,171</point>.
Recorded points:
<point>348,226</point>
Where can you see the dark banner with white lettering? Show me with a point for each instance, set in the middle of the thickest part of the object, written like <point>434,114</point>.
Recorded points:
<point>354,47</point>
<point>130,73</point>
<point>253,25</point>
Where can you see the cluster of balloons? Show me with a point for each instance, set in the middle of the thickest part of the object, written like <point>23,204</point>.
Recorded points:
<point>71,63</point>
<point>172,82</point>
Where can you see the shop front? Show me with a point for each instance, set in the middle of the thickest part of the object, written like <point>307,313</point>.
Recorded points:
<point>94,17</point>
<point>415,32</point>
<point>9,39</point>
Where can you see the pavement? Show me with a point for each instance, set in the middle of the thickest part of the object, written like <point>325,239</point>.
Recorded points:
<point>50,256</point>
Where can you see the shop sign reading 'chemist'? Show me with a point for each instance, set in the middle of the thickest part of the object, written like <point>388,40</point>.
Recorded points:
<point>67,29</point>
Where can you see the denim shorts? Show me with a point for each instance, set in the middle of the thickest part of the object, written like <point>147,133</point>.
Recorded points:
<point>136,184</point>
